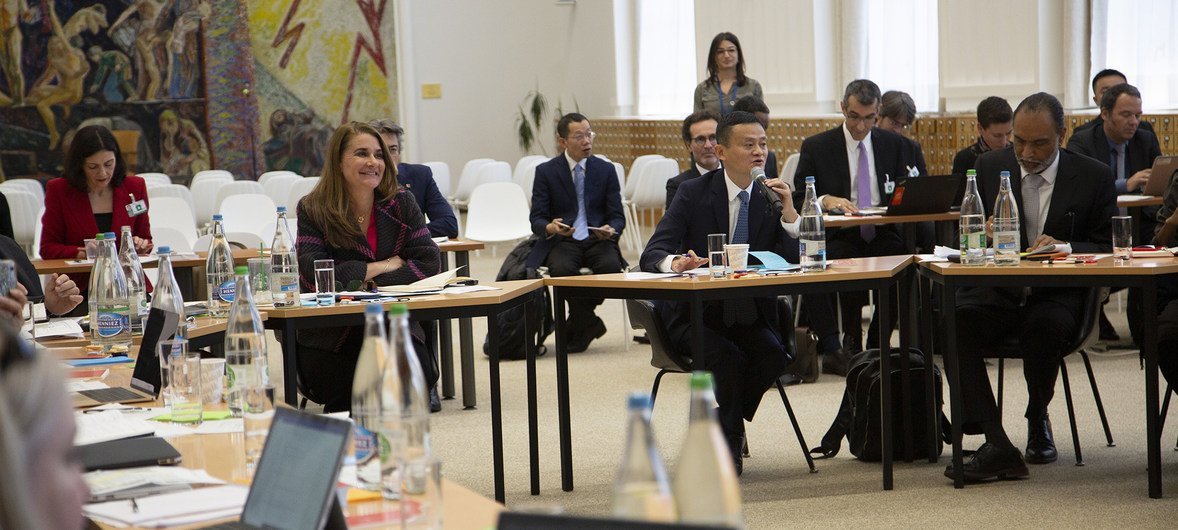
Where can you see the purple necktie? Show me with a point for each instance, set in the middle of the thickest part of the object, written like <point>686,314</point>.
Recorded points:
<point>864,191</point>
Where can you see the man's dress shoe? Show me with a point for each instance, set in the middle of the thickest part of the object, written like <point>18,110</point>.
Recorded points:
<point>992,462</point>
<point>1040,442</point>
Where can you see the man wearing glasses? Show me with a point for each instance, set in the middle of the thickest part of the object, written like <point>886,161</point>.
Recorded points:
<point>419,180</point>
<point>854,166</point>
<point>699,136</point>
<point>577,212</point>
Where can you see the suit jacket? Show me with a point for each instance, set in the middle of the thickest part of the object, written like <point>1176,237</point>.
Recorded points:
<point>701,208</point>
<point>554,195</point>
<point>1142,149</point>
<point>674,182</point>
<point>419,180</point>
<point>69,221</point>
<point>824,156</point>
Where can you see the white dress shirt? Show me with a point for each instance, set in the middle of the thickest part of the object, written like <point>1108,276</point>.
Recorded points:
<point>573,165</point>
<point>1045,192</point>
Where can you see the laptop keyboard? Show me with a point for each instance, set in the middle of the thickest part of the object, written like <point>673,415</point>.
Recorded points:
<point>110,395</point>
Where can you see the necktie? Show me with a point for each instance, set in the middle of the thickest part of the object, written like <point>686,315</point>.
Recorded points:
<point>581,224</point>
<point>1031,184</point>
<point>1119,161</point>
<point>864,191</point>
<point>740,234</point>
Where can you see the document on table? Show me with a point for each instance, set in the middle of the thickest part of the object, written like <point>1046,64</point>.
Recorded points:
<point>172,509</point>
<point>62,327</point>
<point>109,425</point>
<point>109,485</point>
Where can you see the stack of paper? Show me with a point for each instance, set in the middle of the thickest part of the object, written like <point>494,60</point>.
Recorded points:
<point>141,481</point>
<point>109,425</point>
<point>172,509</point>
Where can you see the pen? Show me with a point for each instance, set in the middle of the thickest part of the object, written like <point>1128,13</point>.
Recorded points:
<point>134,506</point>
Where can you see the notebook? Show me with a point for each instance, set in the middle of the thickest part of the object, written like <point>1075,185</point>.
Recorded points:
<point>1159,177</point>
<point>295,481</point>
<point>920,195</point>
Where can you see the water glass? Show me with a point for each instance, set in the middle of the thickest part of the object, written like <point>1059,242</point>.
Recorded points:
<point>259,269</point>
<point>717,260</point>
<point>258,414</point>
<point>325,281</point>
<point>421,493</point>
<point>187,400</point>
<point>1122,236</point>
<point>738,256</point>
<point>91,248</point>
<point>167,349</point>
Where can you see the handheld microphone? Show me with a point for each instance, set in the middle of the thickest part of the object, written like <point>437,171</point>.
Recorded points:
<point>771,196</point>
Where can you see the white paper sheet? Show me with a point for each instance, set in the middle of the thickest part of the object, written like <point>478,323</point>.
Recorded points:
<point>203,504</point>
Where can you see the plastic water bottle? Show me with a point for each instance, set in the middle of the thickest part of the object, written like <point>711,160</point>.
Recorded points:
<point>219,271</point>
<point>284,265</point>
<point>813,231</point>
<point>641,490</point>
<point>366,389</point>
<point>133,271</point>
<point>245,345</point>
<point>110,323</point>
<point>1006,227</point>
<point>706,490</point>
<point>973,223</point>
<point>408,461</point>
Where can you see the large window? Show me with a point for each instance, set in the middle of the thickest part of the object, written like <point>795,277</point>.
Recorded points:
<point>902,49</point>
<point>1139,41</point>
<point>666,57</point>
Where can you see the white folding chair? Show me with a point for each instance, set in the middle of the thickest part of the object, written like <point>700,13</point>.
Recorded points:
<point>239,187</point>
<point>175,191</point>
<point>299,190</point>
<point>23,207</point>
<point>271,174</point>
<point>467,182</point>
<point>791,167</point>
<point>629,237</point>
<point>498,211</point>
<point>251,213</point>
<point>204,197</point>
<point>172,213</point>
<point>167,236</point>
<point>651,192</point>
<point>519,174</point>
<point>236,239</point>
<point>155,179</point>
<point>441,171</point>
<point>25,184</point>
<point>528,177</point>
<point>219,174</point>
<point>636,173</point>
<point>278,187</point>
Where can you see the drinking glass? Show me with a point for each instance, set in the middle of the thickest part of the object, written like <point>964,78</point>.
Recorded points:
<point>187,400</point>
<point>167,349</point>
<point>1122,236</point>
<point>325,281</point>
<point>256,417</point>
<point>717,260</point>
<point>421,493</point>
<point>259,269</point>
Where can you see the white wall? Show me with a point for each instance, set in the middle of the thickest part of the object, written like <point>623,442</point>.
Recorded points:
<point>487,57</point>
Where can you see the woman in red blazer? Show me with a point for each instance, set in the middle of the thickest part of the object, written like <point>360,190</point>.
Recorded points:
<point>93,196</point>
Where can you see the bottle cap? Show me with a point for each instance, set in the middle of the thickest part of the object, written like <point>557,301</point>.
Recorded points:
<point>397,310</point>
<point>217,217</point>
<point>638,401</point>
<point>1004,174</point>
<point>701,380</point>
<point>372,310</point>
<point>110,235</point>
<point>100,236</point>
<point>810,179</point>
<point>281,209</point>
<point>971,172</point>
<point>125,228</point>
<point>163,249</point>
<point>241,270</point>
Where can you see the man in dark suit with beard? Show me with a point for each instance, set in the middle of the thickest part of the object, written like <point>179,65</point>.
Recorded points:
<point>419,180</point>
<point>740,340</point>
<point>699,136</point>
<point>1063,198</point>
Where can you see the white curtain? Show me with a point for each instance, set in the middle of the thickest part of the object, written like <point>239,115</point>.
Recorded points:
<point>666,57</point>
<point>1138,38</point>
<point>901,47</point>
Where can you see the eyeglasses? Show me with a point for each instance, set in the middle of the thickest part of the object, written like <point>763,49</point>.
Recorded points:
<point>581,137</point>
<point>704,140</point>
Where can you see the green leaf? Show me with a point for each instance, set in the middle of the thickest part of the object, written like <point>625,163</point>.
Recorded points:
<point>539,108</point>
<point>524,132</point>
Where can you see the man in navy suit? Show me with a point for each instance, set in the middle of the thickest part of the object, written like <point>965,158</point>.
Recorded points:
<point>740,341</point>
<point>854,166</point>
<point>577,212</point>
<point>699,136</point>
<point>419,180</point>
<point>1075,202</point>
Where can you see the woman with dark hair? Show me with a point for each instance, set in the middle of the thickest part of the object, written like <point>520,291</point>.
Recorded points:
<point>358,216</point>
<point>93,196</point>
<point>726,82</point>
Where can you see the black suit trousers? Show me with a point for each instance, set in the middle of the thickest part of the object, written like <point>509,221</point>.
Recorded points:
<point>744,360</point>
<point>566,258</point>
<point>848,243</point>
<point>1044,325</point>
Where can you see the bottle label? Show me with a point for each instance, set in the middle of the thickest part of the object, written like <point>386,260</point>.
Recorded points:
<point>288,283</point>
<point>113,321</point>
<point>814,248</point>
<point>367,444</point>
<point>973,240</point>
<point>1006,241</point>
<point>226,291</point>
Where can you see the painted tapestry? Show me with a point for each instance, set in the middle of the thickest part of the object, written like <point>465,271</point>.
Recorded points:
<point>135,66</point>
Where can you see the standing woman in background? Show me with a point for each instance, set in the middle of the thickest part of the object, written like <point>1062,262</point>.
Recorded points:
<point>726,81</point>
<point>358,216</point>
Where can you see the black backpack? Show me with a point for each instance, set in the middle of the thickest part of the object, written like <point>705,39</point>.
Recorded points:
<point>511,322</point>
<point>859,416</point>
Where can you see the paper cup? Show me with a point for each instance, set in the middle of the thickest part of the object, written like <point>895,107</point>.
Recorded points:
<point>738,256</point>
<point>212,374</point>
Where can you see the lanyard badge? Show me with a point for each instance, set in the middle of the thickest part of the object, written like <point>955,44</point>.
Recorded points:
<point>135,207</point>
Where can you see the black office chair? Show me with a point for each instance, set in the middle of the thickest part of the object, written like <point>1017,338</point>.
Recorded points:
<point>1165,407</point>
<point>668,359</point>
<point>1086,334</point>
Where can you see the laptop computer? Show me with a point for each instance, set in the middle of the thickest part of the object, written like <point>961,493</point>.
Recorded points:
<point>1160,176</point>
<point>146,378</point>
<point>294,485</point>
<point>921,195</point>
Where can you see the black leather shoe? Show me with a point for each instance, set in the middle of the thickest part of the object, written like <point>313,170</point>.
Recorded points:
<point>1040,442</point>
<point>435,402</point>
<point>852,344</point>
<point>580,342</point>
<point>642,339</point>
<point>992,462</point>
<point>1108,333</point>
<point>836,362</point>
<point>789,379</point>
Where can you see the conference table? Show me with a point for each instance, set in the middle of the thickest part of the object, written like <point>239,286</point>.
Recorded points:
<point>877,274</point>
<point>203,332</point>
<point>487,303</point>
<point>945,224</point>
<point>1143,273</point>
<point>461,249</point>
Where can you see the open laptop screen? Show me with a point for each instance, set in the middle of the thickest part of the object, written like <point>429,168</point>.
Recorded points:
<point>294,484</point>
